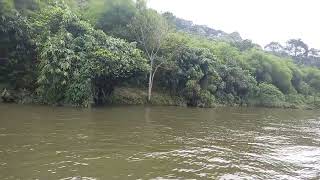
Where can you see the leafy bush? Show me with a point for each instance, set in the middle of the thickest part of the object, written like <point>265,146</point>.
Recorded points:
<point>270,69</point>
<point>269,96</point>
<point>236,85</point>
<point>196,75</point>
<point>312,78</point>
<point>295,99</point>
<point>206,99</point>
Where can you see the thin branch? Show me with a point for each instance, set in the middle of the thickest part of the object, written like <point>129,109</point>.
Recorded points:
<point>155,70</point>
<point>143,41</point>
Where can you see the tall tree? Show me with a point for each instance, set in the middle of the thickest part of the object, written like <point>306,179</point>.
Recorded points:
<point>297,48</point>
<point>150,30</point>
<point>274,47</point>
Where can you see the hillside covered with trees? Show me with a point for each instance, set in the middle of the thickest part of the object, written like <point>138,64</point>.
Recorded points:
<point>84,52</point>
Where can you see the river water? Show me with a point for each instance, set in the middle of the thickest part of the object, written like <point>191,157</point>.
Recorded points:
<point>38,142</point>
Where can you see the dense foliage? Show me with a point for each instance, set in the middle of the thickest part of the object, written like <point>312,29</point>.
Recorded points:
<point>78,52</point>
<point>76,64</point>
<point>16,45</point>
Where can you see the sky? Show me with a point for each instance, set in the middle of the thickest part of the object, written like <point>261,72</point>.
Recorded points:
<point>262,21</point>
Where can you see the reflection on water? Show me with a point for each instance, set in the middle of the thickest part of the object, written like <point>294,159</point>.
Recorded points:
<point>158,143</point>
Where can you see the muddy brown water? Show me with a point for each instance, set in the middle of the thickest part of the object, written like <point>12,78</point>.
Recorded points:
<point>136,142</point>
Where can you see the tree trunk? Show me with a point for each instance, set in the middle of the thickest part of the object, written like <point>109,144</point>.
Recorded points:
<point>151,78</point>
<point>150,85</point>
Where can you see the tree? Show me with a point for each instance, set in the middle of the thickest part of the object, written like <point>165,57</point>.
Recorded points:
<point>150,30</point>
<point>116,17</point>
<point>270,69</point>
<point>78,64</point>
<point>196,75</point>
<point>297,48</point>
<point>274,47</point>
<point>17,51</point>
<point>235,82</point>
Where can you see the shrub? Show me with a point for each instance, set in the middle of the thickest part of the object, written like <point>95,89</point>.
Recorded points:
<point>269,96</point>
<point>206,99</point>
<point>295,99</point>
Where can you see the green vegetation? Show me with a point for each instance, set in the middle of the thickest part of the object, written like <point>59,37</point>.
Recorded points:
<point>84,52</point>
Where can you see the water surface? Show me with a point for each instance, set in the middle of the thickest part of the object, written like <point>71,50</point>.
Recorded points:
<point>38,142</point>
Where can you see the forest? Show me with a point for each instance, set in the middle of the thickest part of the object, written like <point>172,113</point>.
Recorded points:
<point>98,52</point>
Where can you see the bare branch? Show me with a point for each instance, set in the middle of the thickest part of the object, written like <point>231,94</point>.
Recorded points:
<point>155,70</point>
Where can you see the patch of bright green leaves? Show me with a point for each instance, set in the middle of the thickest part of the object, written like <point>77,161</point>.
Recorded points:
<point>78,64</point>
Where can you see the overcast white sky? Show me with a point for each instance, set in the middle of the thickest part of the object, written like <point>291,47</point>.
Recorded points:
<point>262,21</point>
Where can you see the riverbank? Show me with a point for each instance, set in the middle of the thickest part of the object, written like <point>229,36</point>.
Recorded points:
<point>137,96</point>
